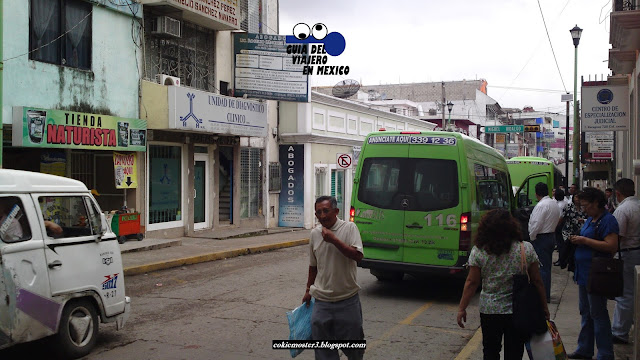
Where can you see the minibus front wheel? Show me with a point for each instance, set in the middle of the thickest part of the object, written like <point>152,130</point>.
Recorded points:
<point>78,329</point>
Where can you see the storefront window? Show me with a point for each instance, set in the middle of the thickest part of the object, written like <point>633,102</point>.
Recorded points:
<point>250,183</point>
<point>165,183</point>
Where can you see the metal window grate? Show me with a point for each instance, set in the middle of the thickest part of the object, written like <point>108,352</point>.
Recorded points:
<point>82,168</point>
<point>190,57</point>
<point>165,183</point>
<point>250,11</point>
<point>250,183</point>
<point>275,176</point>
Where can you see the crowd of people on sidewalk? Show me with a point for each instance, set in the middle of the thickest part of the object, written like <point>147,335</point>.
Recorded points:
<point>582,226</point>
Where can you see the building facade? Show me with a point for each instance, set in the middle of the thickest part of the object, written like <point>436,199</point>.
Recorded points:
<point>70,99</point>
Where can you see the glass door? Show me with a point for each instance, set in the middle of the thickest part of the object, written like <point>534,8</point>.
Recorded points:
<point>200,198</point>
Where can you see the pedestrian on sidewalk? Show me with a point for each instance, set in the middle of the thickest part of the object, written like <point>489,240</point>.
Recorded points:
<point>542,227</point>
<point>494,259</point>
<point>598,237</point>
<point>573,220</point>
<point>335,248</point>
<point>562,202</point>
<point>628,215</point>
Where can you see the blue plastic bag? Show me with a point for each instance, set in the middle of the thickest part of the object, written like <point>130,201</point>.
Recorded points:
<point>300,324</point>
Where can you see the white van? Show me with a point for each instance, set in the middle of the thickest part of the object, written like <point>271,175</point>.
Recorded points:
<point>61,268</point>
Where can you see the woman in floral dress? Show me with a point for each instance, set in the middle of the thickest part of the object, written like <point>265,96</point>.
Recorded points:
<point>494,259</point>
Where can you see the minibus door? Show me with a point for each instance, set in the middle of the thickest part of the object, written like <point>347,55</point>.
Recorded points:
<point>433,206</point>
<point>27,311</point>
<point>526,201</point>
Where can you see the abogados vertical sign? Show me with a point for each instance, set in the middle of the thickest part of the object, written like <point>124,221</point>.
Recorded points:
<point>291,212</point>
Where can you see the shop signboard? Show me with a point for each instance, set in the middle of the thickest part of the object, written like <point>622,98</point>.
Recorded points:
<point>195,110</point>
<point>46,128</point>
<point>125,170</point>
<point>264,69</point>
<point>605,108</point>
<point>291,212</point>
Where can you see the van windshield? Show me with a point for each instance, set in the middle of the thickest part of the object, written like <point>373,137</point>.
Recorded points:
<point>419,184</point>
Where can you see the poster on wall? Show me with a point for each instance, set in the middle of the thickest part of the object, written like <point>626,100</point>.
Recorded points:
<point>291,212</point>
<point>54,163</point>
<point>125,170</point>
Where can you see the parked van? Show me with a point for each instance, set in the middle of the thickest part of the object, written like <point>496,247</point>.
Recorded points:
<point>418,198</point>
<point>61,264</point>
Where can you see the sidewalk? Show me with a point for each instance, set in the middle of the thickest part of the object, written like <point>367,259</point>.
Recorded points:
<point>148,255</point>
<point>564,312</point>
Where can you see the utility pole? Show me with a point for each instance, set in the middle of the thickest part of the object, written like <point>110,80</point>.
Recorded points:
<point>443,104</point>
<point>1,79</point>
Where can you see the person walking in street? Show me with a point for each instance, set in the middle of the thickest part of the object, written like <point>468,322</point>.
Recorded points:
<point>542,226</point>
<point>335,248</point>
<point>493,261</point>
<point>628,216</point>
<point>598,237</point>
<point>562,202</point>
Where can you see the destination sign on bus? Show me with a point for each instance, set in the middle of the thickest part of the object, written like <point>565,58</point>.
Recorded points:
<point>412,139</point>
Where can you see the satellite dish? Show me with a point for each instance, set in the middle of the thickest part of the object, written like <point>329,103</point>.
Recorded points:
<point>345,88</point>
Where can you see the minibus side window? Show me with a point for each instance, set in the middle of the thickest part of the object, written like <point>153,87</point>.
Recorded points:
<point>492,188</point>
<point>65,216</point>
<point>14,225</point>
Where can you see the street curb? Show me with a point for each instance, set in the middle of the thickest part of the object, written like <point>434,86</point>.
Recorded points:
<point>152,247</point>
<point>168,264</point>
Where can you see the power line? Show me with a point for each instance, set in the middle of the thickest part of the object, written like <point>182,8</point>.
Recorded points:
<point>550,44</point>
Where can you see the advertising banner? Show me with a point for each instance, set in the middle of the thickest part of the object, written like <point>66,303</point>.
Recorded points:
<point>264,69</point>
<point>291,212</point>
<point>191,109</point>
<point>126,170</point>
<point>42,128</point>
<point>605,108</point>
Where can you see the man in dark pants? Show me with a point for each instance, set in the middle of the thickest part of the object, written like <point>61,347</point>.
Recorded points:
<point>335,248</point>
<point>542,226</point>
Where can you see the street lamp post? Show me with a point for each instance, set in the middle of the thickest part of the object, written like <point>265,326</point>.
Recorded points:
<point>450,107</point>
<point>575,34</point>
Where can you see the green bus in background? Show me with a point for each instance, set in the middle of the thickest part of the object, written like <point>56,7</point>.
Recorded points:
<point>418,198</point>
<point>521,167</point>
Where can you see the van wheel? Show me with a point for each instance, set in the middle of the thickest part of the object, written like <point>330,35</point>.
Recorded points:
<point>78,329</point>
<point>140,236</point>
<point>122,239</point>
<point>387,275</point>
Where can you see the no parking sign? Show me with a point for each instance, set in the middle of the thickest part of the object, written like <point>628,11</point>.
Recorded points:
<point>344,161</point>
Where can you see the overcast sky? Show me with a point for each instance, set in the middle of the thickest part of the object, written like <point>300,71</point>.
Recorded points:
<point>502,41</point>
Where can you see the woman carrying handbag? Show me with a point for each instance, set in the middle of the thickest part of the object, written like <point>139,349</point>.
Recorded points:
<point>494,260</point>
<point>598,238</point>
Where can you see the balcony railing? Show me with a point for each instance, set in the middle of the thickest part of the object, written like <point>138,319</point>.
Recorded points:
<point>625,5</point>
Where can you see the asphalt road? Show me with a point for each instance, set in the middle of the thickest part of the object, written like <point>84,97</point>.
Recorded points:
<point>234,308</point>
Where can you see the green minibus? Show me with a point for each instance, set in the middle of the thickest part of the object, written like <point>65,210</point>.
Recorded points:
<point>521,167</point>
<point>418,198</point>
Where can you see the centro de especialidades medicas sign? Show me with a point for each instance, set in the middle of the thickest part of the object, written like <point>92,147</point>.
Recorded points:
<point>47,128</point>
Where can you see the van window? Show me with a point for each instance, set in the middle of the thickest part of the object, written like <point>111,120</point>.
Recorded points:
<point>14,226</point>
<point>419,184</point>
<point>492,188</point>
<point>68,212</point>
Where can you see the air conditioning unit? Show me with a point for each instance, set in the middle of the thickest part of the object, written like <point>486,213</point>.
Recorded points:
<point>164,25</point>
<point>164,79</point>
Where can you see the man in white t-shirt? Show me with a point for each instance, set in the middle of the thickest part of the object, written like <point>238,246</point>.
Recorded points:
<point>335,248</point>
<point>542,226</point>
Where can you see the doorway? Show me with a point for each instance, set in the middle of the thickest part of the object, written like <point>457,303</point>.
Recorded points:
<point>201,196</point>
<point>225,185</point>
